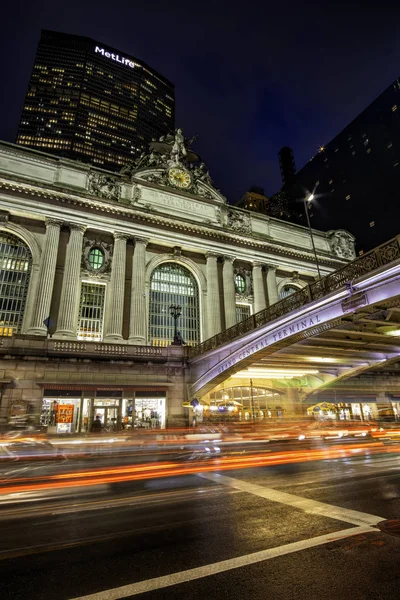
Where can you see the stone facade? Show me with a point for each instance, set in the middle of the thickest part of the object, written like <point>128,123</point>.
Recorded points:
<point>54,208</point>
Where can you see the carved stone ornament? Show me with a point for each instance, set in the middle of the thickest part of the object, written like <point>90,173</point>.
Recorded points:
<point>136,194</point>
<point>342,244</point>
<point>247,294</point>
<point>107,249</point>
<point>104,186</point>
<point>239,221</point>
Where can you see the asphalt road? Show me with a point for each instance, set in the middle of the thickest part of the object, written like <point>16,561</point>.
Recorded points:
<point>282,531</point>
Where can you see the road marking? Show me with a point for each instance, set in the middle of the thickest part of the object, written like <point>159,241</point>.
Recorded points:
<point>313,507</point>
<point>158,583</point>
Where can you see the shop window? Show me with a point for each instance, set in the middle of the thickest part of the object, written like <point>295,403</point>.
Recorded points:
<point>173,284</point>
<point>91,314</point>
<point>15,268</point>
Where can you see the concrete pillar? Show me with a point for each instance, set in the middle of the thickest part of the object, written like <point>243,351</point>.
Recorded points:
<point>67,321</point>
<point>272,287</point>
<point>115,291</point>
<point>138,323</point>
<point>229,292</point>
<point>258,287</point>
<point>213,303</point>
<point>47,270</point>
<point>293,403</point>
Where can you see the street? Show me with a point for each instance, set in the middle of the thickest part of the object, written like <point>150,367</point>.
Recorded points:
<point>290,530</point>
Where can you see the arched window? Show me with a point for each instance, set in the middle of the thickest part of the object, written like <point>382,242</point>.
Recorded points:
<point>288,290</point>
<point>15,270</point>
<point>172,284</point>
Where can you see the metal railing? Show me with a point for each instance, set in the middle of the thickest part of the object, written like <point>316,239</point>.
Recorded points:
<point>368,262</point>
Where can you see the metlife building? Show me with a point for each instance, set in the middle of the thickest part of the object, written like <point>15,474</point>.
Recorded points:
<point>89,102</point>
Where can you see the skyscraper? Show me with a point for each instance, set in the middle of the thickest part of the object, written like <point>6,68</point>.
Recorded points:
<point>93,103</point>
<point>358,174</point>
<point>287,164</point>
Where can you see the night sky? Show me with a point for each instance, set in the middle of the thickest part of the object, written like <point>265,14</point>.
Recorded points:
<point>250,77</point>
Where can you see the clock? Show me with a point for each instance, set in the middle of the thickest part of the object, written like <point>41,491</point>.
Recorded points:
<point>179,178</point>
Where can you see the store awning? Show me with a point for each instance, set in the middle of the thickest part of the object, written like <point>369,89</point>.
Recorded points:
<point>129,387</point>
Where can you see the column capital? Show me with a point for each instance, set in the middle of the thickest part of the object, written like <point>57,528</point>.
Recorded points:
<point>140,240</point>
<point>215,255</point>
<point>258,263</point>
<point>120,236</point>
<point>271,267</point>
<point>54,222</point>
<point>228,258</point>
<point>77,227</point>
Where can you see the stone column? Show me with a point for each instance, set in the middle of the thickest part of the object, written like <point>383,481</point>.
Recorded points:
<point>138,322</point>
<point>47,270</point>
<point>115,292</point>
<point>258,287</point>
<point>229,292</point>
<point>272,286</point>
<point>67,321</point>
<point>213,303</point>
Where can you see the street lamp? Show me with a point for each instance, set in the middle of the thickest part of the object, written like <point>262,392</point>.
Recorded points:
<point>176,311</point>
<point>307,204</point>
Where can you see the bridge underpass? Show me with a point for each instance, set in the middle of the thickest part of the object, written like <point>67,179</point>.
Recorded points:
<point>329,336</point>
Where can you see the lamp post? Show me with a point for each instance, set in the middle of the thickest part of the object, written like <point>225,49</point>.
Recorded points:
<point>307,204</point>
<point>175,312</point>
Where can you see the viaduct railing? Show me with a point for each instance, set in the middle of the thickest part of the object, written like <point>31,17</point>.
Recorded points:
<point>367,263</point>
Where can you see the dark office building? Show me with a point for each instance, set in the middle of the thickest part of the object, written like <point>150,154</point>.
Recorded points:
<point>287,165</point>
<point>359,175</point>
<point>93,103</point>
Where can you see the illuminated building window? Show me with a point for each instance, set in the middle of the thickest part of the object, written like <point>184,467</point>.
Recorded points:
<point>96,258</point>
<point>288,290</point>
<point>91,313</point>
<point>15,267</point>
<point>173,284</point>
<point>240,283</point>
<point>242,312</point>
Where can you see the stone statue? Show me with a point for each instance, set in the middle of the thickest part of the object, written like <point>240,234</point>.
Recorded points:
<point>342,244</point>
<point>201,172</point>
<point>178,148</point>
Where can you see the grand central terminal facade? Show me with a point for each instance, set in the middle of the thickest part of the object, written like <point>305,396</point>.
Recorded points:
<point>93,261</point>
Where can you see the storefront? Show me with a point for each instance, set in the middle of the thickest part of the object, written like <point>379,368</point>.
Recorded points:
<point>344,411</point>
<point>74,410</point>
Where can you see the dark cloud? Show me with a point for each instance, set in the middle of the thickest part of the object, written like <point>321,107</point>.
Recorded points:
<point>249,78</point>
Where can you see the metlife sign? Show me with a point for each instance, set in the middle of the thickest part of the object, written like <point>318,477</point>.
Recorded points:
<point>116,57</point>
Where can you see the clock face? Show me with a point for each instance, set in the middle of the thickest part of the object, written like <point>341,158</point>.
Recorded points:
<point>179,177</point>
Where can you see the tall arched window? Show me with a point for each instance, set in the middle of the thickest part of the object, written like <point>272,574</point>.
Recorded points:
<point>288,290</point>
<point>172,284</point>
<point>15,270</point>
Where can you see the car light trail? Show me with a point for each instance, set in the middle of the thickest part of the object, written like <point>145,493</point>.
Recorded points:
<point>120,474</point>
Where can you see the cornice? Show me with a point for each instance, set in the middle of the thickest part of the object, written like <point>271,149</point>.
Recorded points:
<point>147,217</point>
